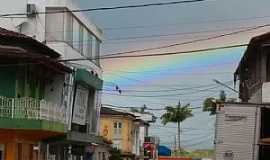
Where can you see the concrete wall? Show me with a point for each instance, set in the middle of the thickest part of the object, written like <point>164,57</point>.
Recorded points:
<point>54,90</point>
<point>35,26</point>
<point>136,142</point>
<point>127,136</point>
<point>256,97</point>
<point>237,131</point>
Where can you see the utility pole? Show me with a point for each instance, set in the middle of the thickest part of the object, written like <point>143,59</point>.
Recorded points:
<point>175,146</point>
<point>178,123</point>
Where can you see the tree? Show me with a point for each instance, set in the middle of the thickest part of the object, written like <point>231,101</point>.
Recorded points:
<point>115,154</point>
<point>176,114</point>
<point>210,104</point>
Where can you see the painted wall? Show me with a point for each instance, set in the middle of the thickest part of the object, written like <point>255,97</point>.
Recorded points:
<point>35,26</point>
<point>236,131</point>
<point>7,81</point>
<point>136,140</point>
<point>127,133</point>
<point>54,90</point>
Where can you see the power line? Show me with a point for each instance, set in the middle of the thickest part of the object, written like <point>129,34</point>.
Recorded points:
<point>165,95</point>
<point>180,74</point>
<point>109,8</point>
<point>157,54</point>
<point>175,34</point>
<point>120,54</point>
<point>162,69</point>
<point>147,108</point>
<point>189,42</point>
<point>170,90</point>
<point>186,23</point>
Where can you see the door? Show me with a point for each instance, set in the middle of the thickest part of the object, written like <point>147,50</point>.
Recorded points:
<point>2,151</point>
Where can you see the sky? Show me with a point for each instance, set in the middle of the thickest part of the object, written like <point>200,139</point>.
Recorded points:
<point>161,81</point>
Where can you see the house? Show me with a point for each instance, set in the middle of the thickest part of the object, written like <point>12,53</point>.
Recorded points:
<point>73,36</point>
<point>31,102</point>
<point>141,130</point>
<point>242,129</point>
<point>253,71</point>
<point>129,131</point>
<point>118,127</point>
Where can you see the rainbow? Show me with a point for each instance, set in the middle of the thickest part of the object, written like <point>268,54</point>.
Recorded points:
<point>134,71</point>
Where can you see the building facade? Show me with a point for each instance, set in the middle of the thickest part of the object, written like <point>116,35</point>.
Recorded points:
<point>73,36</point>
<point>118,127</point>
<point>242,129</point>
<point>142,124</point>
<point>31,102</point>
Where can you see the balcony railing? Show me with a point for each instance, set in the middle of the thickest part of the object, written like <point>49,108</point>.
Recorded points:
<point>32,109</point>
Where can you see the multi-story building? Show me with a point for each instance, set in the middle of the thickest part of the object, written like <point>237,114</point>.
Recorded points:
<point>242,129</point>
<point>127,130</point>
<point>142,124</point>
<point>31,101</point>
<point>118,127</point>
<point>73,36</point>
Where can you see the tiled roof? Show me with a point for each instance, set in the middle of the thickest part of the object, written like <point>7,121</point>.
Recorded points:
<point>8,37</point>
<point>111,111</point>
<point>22,48</point>
<point>5,32</point>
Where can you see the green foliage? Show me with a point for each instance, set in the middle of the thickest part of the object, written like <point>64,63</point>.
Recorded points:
<point>209,105</point>
<point>196,154</point>
<point>175,114</point>
<point>115,154</point>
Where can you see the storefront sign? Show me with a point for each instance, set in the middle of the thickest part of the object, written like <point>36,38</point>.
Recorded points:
<point>80,106</point>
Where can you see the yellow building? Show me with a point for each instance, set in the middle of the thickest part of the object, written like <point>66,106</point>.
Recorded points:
<point>118,127</point>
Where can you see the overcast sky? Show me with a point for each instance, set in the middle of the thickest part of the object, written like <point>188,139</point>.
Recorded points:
<point>176,72</point>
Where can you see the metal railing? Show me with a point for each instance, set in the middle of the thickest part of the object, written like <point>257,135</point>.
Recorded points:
<point>31,108</point>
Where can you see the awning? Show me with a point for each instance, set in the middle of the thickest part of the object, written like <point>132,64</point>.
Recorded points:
<point>17,55</point>
<point>83,76</point>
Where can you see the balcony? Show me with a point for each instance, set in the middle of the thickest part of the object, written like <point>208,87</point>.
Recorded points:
<point>31,114</point>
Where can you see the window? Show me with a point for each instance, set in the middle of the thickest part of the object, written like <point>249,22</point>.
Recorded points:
<point>85,42</point>
<point>96,49</point>
<point>67,28</point>
<point>117,128</point>
<point>81,42</point>
<point>116,144</point>
<point>76,34</point>
<point>103,156</point>
<point>89,46</point>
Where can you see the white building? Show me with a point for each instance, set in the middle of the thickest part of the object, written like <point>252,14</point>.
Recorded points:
<point>243,129</point>
<point>74,36</point>
<point>237,133</point>
<point>142,122</point>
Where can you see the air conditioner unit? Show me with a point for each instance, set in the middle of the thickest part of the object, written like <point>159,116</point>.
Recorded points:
<point>31,10</point>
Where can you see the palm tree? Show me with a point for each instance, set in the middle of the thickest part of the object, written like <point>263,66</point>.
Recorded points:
<point>176,114</point>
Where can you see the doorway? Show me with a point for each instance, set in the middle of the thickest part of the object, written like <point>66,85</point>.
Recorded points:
<point>2,151</point>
